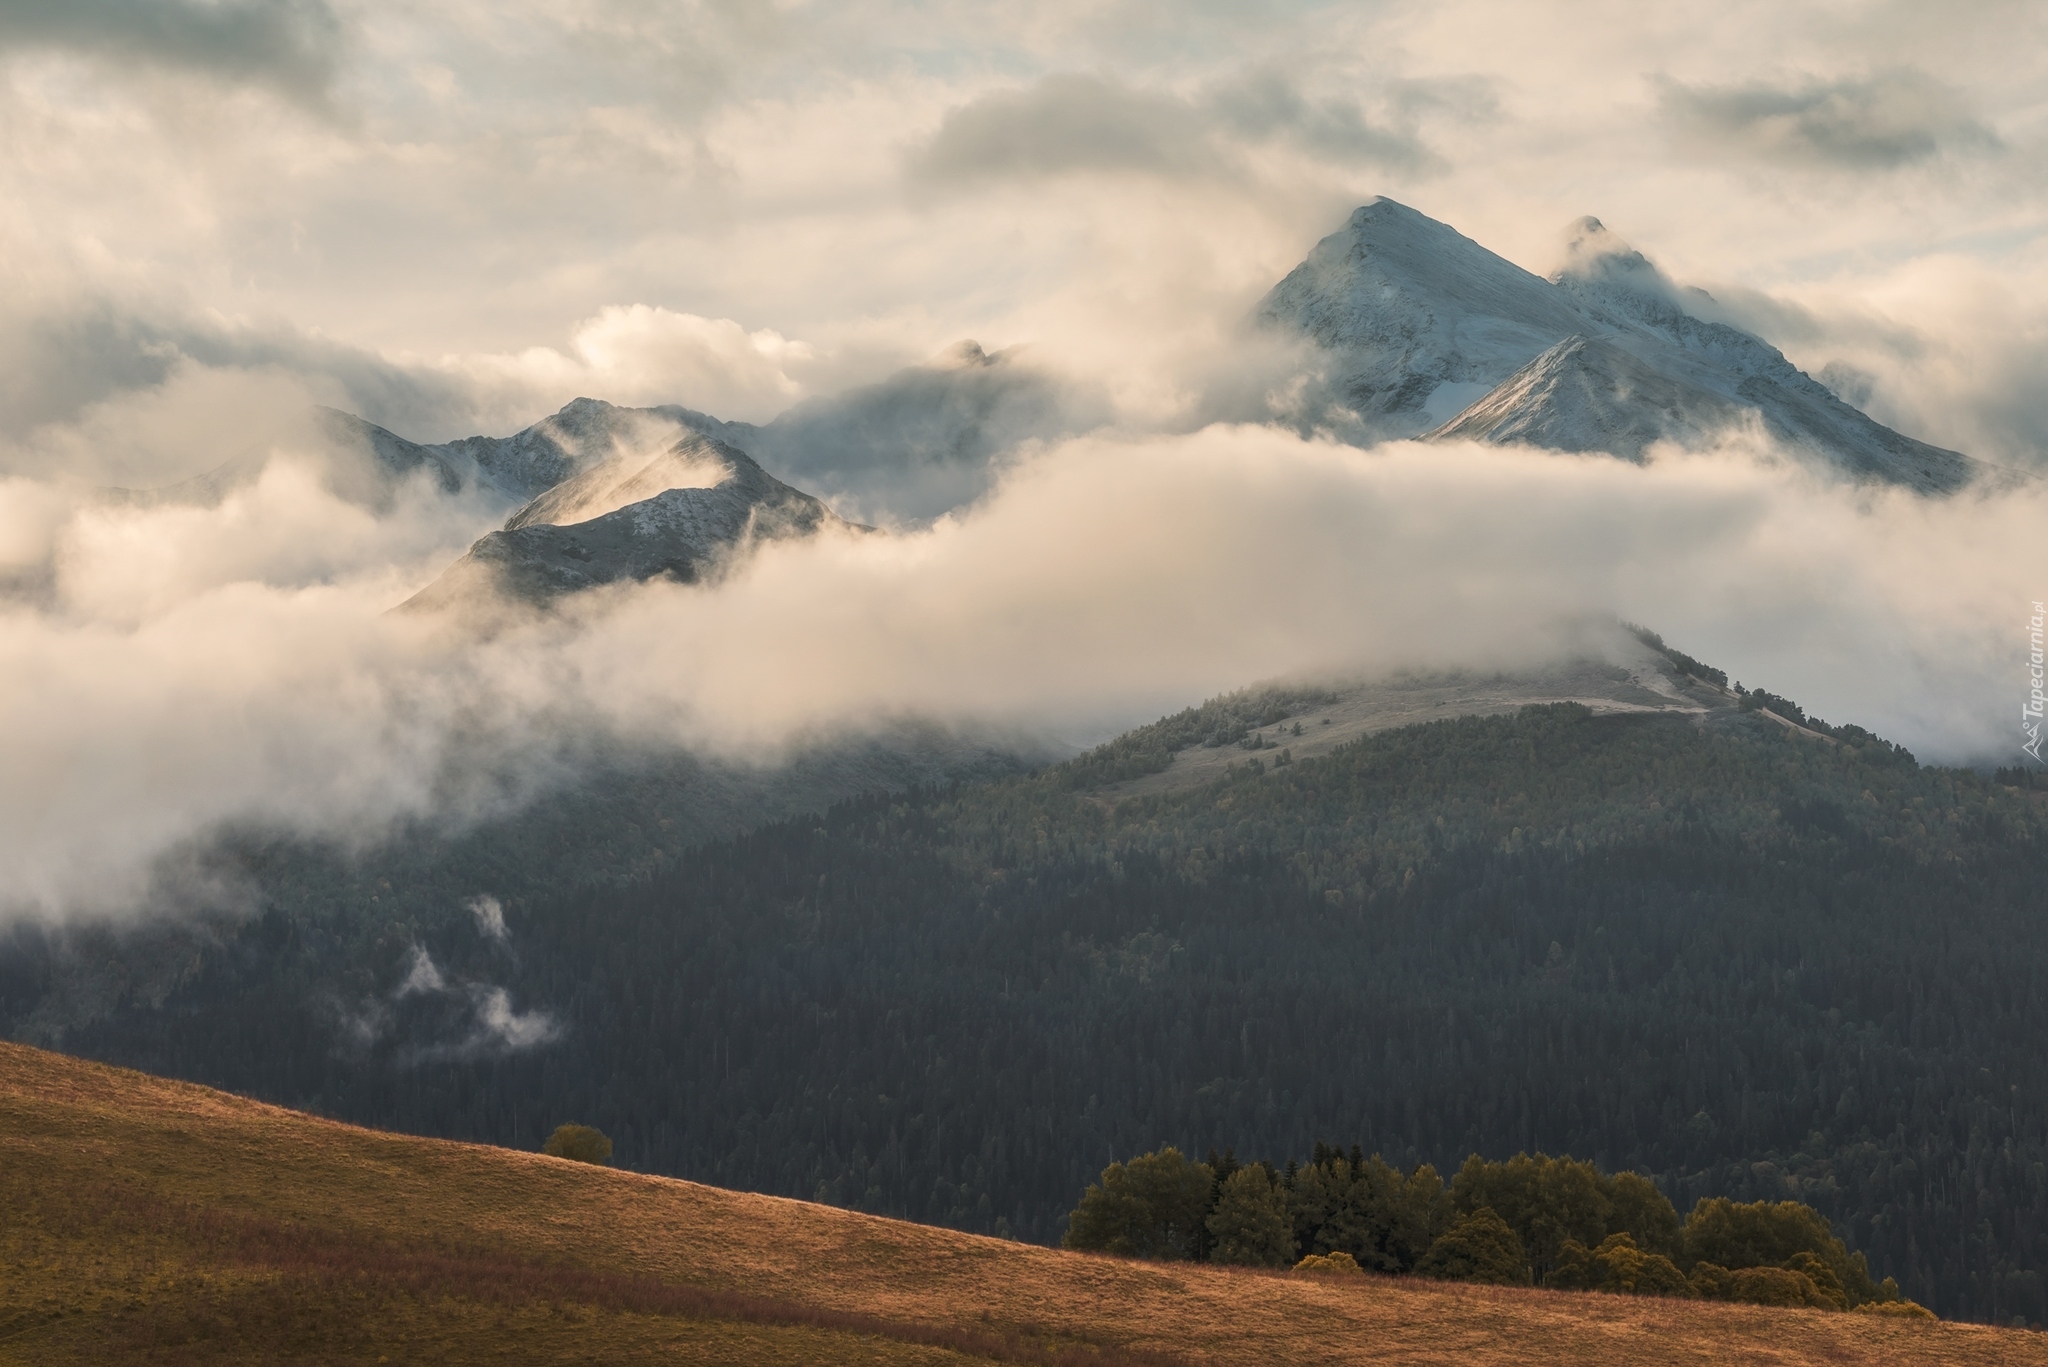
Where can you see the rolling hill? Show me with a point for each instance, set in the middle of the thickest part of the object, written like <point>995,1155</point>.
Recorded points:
<point>148,1220</point>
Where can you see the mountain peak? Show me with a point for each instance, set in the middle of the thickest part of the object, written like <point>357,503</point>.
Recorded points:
<point>1380,208</point>
<point>966,354</point>
<point>1596,256</point>
<point>1420,328</point>
<point>675,515</point>
<point>1415,307</point>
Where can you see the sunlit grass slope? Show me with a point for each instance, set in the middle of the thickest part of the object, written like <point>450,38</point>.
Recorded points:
<point>143,1220</point>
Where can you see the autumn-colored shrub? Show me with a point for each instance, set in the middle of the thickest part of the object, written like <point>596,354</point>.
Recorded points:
<point>1617,1265</point>
<point>1339,1262</point>
<point>1779,1286</point>
<point>581,1143</point>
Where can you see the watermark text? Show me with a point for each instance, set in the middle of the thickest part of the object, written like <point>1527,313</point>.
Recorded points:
<point>2031,713</point>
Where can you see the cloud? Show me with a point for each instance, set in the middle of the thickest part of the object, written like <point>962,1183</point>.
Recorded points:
<point>928,439</point>
<point>173,688</point>
<point>125,396</point>
<point>1074,123</point>
<point>290,45</point>
<point>1112,578</point>
<point>1267,105</point>
<point>425,1004</point>
<point>422,978</point>
<point>641,355</point>
<point>1064,124</point>
<point>501,1029</point>
<point>1894,118</point>
<point>140,393</point>
<point>490,917</point>
<point>1946,346</point>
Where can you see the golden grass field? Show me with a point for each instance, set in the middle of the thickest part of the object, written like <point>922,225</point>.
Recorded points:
<point>143,1220</point>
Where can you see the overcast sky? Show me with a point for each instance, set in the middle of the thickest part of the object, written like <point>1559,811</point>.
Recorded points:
<point>454,217</point>
<point>457,216</point>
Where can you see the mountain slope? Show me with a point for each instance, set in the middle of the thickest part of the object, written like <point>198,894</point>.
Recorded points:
<point>585,433</point>
<point>1587,394</point>
<point>150,1219</point>
<point>629,518</point>
<point>1425,331</point>
<point>1606,669</point>
<point>1669,928</point>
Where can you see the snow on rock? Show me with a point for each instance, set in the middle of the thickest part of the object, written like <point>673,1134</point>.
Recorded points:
<point>626,477</point>
<point>1606,355</point>
<point>1587,394</point>
<point>633,525</point>
<point>585,433</point>
<point>1405,304</point>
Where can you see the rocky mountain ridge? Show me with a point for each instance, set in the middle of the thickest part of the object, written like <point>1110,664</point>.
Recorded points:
<point>1425,333</point>
<point>629,516</point>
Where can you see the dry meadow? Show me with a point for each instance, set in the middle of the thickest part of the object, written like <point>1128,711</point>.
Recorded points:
<point>144,1220</point>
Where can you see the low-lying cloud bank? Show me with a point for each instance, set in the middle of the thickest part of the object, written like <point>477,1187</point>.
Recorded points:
<point>176,670</point>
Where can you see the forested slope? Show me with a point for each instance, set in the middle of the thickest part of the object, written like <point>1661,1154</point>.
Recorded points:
<point>1748,960</point>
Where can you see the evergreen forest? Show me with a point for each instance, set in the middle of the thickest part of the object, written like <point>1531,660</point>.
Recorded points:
<point>1750,961</point>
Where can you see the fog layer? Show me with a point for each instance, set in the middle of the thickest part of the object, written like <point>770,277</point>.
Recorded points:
<point>188,668</point>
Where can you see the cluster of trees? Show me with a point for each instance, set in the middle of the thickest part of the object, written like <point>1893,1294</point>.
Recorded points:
<point>1553,1222</point>
<point>1685,663</point>
<point>1234,719</point>
<point>1760,698</point>
<point>1752,964</point>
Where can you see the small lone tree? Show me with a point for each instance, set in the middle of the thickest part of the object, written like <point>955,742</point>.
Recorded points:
<point>582,1143</point>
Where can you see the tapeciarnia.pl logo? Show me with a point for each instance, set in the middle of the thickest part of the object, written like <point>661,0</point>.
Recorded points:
<point>2030,715</point>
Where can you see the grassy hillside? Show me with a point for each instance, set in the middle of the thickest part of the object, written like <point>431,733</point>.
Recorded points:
<point>147,1220</point>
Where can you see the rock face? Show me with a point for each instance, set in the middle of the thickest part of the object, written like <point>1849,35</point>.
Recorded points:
<point>585,434</point>
<point>1426,333</point>
<point>626,518</point>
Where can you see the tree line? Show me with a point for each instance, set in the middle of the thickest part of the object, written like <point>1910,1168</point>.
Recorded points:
<point>1531,1220</point>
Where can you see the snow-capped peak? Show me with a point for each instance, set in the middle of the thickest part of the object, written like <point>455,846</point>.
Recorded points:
<point>1419,326</point>
<point>1602,272</point>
